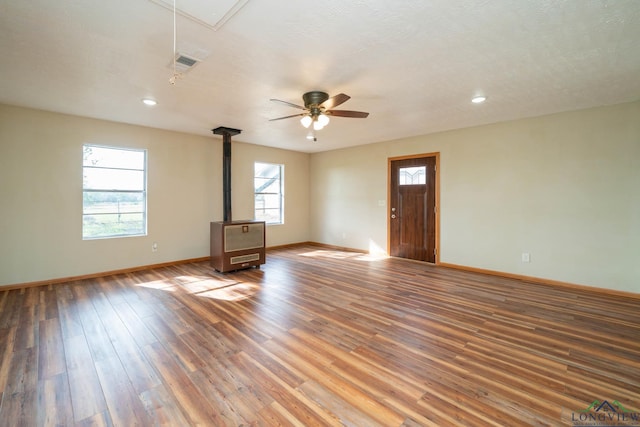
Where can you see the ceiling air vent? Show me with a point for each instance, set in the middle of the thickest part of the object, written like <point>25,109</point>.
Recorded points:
<point>184,63</point>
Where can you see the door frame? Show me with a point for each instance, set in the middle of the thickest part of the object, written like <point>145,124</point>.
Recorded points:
<point>435,155</point>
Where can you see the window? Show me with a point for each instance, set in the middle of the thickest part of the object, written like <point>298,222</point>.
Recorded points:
<point>114,192</point>
<point>268,193</point>
<point>413,175</point>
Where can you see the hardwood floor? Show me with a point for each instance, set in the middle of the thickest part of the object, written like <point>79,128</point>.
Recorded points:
<point>314,337</point>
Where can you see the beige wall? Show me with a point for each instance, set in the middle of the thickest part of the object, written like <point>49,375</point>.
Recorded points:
<point>41,195</point>
<point>296,190</point>
<point>564,188</point>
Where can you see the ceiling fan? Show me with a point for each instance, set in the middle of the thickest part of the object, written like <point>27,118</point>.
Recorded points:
<point>318,107</point>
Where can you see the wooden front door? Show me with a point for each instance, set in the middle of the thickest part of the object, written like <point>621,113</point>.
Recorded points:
<point>412,208</point>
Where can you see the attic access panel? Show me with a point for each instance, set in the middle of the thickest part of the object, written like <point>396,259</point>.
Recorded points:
<point>211,14</point>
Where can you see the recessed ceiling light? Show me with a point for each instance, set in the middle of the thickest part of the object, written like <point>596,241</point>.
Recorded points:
<point>150,102</point>
<point>478,99</point>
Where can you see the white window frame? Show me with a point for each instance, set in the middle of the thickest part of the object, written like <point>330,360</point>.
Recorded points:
<point>113,187</point>
<point>259,212</point>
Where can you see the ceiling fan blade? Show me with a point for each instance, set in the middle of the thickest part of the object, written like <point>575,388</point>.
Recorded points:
<point>288,117</point>
<point>288,103</point>
<point>334,101</point>
<point>347,113</point>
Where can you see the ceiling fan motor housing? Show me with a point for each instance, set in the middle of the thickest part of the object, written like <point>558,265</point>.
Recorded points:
<point>318,106</point>
<point>314,98</point>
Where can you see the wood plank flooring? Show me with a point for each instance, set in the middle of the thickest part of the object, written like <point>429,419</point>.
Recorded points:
<point>315,337</point>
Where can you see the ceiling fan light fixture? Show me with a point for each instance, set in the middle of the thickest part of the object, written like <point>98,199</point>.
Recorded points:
<point>323,119</point>
<point>306,121</point>
<point>318,106</point>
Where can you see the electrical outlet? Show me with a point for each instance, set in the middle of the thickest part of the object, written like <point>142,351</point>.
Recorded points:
<point>154,247</point>
<point>526,257</point>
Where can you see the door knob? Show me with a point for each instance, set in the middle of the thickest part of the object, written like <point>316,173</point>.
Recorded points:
<point>393,216</point>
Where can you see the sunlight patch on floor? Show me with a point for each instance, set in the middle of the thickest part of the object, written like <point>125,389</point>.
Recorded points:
<point>225,289</point>
<point>203,286</point>
<point>356,256</point>
<point>321,253</point>
<point>161,285</point>
<point>235,292</point>
<point>376,252</point>
<point>372,257</point>
<point>191,279</point>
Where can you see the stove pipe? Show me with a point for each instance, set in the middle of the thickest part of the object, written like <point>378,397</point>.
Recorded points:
<point>226,133</point>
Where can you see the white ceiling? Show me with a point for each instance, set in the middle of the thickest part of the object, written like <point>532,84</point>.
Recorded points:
<point>414,65</point>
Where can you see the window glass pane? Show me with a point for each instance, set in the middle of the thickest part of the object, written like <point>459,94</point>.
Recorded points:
<point>111,224</point>
<point>413,175</point>
<point>108,157</point>
<point>270,216</point>
<point>270,201</point>
<point>114,192</point>
<point>267,185</point>
<point>113,179</point>
<point>266,170</point>
<point>112,202</point>
<point>268,192</point>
